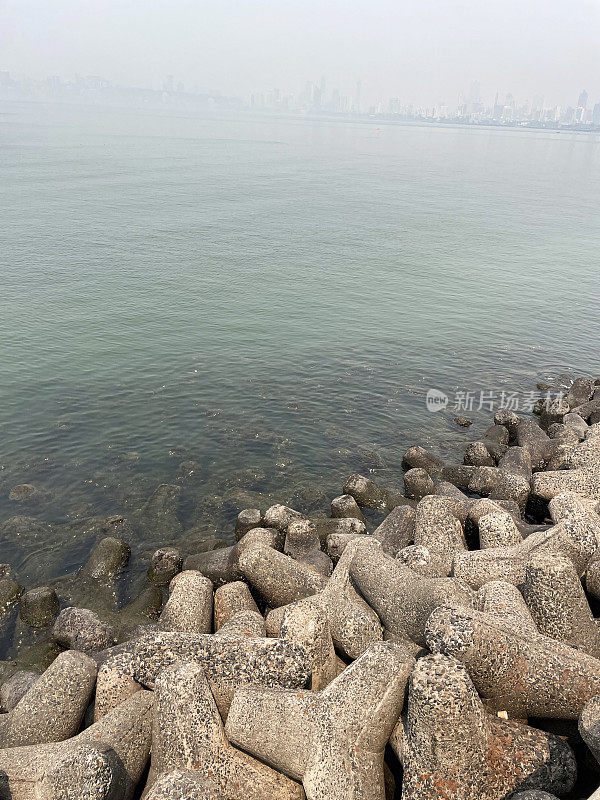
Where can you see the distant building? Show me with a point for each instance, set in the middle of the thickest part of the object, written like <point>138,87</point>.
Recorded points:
<point>474,99</point>
<point>95,82</point>
<point>596,115</point>
<point>356,107</point>
<point>582,101</point>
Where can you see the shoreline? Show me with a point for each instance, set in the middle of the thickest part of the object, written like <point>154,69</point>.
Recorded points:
<point>325,624</point>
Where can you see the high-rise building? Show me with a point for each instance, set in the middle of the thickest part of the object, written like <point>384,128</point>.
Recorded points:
<point>475,93</point>
<point>582,101</point>
<point>537,108</point>
<point>498,109</point>
<point>596,115</point>
<point>356,107</point>
<point>569,115</point>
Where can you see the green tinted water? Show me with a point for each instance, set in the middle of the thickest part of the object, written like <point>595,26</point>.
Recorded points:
<point>270,299</point>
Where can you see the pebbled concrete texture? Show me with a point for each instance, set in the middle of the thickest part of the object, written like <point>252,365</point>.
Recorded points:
<point>454,748</point>
<point>509,563</point>
<point>188,734</point>
<point>403,599</point>
<point>82,629</point>
<point>230,599</point>
<point>123,735</point>
<point>307,624</point>
<point>557,602</point>
<point>353,624</point>
<point>522,673</point>
<point>581,476</point>
<point>53,708</point>
<point>190,604</point>
<point>589,726</point>
<point>177,784</point>
<point>332,740</point>
<point>439,530</point>
<point>278,577</point>
<point>303,543</point>
<point>229,662</point>
<point>15,688</point>
<point>505,601</point>
<point>85,771</point>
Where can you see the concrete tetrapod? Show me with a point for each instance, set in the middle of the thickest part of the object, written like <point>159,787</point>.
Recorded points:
<point>124,735</point>
<point>338,525</point>
<point>346,507</point>
<point>278,578</point>
<point>93,773</point>
<point>303,544</point>
<point>557,602</point>
<point>337,543</point>
<point>188,734</point>
<point>306,623</point>
<point>222,565</point>
<point>478,567</point>
<point>438,529</point>
<point>228,662</point>
<point>353,624</point>
<point>190,604</point>
<point>419,559</point>
<point>397,530</point>
<point>582,476</point>
<point>15,688</point>
<point>402,598</point>
<point>82,629</point>
<point>53,708</point>
<point>454,749</point>
<point>95,586</point>
<point>246,520</point>
<point>505,601</point>
<point>498,529</point>
<point>522,673</point>
<point>332,740</point>
<point>249,624</point>
<point>369,494</point>
<point>166,562</point>
<point>230,599</point>
<point>577,515</point>
<point>589,726</point>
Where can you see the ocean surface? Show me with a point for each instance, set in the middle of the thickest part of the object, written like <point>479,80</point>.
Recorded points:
<point>253,308</point>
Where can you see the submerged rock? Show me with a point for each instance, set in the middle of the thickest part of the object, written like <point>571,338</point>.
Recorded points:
<point>81,629</point>
<point>39,607</point>
<point>160,510</point>
<point>27,493</point>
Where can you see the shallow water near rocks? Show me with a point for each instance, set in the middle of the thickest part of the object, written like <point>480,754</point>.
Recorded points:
<point>254,308</point>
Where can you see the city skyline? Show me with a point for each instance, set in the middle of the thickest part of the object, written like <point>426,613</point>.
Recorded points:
<point>424,52</point>
<point>317,97</point>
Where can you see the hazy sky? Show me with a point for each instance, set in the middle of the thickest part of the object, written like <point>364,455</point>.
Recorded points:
<point>424,51</point>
